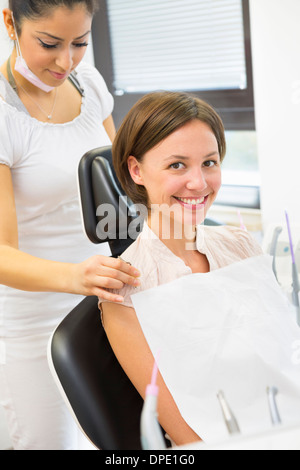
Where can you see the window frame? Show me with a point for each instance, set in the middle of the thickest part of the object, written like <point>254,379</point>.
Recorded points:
<point>236,107</point>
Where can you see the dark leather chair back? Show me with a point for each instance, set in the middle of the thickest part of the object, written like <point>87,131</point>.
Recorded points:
<point>106,405</point>
<point>107,212</point>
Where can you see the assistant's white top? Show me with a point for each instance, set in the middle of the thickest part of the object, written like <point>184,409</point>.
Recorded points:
<point>222,246</point>
<point>44,159</point>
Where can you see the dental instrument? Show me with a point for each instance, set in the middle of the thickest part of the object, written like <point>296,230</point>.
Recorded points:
<point>230,420</point>
<point>272,392</point>
<point>151,433</point>
<point>295,275</point>
<point>273,248</point>
<point>242,225</point>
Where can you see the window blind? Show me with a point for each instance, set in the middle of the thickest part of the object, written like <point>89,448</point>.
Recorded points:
<point>186,45</point>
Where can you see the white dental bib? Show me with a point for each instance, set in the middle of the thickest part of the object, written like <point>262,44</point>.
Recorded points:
<point>233,330</point>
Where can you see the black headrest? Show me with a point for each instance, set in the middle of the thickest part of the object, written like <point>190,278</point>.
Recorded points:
<point>107,211</point>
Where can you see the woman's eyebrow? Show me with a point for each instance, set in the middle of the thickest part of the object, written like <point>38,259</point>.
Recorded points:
<point>182,157</point>
<point>60,39</point>
<point>171,157</point>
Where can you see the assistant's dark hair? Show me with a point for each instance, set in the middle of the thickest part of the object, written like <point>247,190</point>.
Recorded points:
<point>33,9</point>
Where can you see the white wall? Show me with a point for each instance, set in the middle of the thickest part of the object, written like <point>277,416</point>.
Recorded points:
<point>276,66</point>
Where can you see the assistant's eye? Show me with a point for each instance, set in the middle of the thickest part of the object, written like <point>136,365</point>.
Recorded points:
<point>54,46</point>
<point>46,45</point>
<point>81,44</point>
<point>177,166</point>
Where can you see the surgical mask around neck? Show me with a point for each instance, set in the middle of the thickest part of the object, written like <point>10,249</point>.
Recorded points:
<point>22,68</point>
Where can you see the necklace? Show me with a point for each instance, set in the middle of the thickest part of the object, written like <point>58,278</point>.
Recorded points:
<point>48,115</point>
<point>15,82</point>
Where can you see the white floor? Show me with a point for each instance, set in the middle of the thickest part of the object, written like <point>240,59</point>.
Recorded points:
<point>4,438</point>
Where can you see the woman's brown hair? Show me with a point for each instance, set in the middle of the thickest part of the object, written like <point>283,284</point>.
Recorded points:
<point>152,119</point>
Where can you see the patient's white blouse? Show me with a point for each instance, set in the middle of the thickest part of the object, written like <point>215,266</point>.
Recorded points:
<point>222,246</point>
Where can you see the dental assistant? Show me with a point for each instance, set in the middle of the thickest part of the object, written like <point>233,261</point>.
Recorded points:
<point>53,109</point>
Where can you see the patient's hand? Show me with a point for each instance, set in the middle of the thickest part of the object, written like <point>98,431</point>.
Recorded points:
<point>95,275</point>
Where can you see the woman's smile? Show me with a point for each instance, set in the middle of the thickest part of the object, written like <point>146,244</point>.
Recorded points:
<point>193,203</point>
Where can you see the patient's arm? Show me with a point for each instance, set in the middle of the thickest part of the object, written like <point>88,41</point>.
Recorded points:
<point>132,351</point>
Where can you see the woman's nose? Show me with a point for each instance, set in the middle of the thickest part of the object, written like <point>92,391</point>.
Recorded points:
<point>65,59</point>
<point>196,180</point>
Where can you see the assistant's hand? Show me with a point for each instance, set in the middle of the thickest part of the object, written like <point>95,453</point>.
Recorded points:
<point>95,275</point>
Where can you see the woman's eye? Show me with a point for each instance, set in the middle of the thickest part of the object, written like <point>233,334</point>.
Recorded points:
<point>81,44</point>
<point>47,46</point>
<point>210,163</point>
<point>54,46</point>
<point>177,166</point>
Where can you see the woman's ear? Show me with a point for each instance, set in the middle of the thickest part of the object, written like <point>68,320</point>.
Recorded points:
<point>9,24</point>
<point>134,169</point>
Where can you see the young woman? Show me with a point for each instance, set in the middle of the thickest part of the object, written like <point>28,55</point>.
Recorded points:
<point>53,109</point>
<point>168,156</point>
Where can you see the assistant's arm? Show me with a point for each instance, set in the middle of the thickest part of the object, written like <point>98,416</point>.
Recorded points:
<point>23,271</point>
<point>110,128</point>
<point>133,353</point>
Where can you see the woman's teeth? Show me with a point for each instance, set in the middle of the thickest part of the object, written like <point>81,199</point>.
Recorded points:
<point>192,202</point>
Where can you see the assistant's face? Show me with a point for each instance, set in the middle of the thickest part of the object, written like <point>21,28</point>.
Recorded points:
<point>53,46</point>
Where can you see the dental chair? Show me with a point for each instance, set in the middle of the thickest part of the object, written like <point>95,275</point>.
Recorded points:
<point>102,399</point>
<point>99,187</point>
